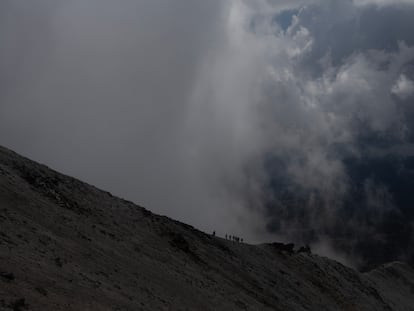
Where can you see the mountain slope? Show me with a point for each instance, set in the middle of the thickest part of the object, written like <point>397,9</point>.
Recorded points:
<point>66,245</point>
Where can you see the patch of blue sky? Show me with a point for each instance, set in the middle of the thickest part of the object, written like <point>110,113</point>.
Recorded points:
<point>284,19</point>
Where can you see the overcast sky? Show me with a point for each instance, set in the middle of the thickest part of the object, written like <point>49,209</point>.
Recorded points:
<point>181,105</point>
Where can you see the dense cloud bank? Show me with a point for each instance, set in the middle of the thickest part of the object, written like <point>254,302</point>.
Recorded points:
<point>264,119</point>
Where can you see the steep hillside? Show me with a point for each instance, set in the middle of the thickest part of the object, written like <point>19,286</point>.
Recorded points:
<point>65,245</point>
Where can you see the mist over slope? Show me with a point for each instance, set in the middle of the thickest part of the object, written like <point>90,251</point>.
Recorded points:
<point>290,119</point>
<point>67,245</point>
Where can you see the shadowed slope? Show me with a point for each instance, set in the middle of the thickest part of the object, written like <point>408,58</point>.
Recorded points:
<point>66,245</point>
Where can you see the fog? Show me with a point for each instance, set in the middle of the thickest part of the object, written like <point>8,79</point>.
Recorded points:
<point>245,117</point>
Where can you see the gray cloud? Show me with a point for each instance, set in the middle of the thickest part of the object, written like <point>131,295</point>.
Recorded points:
<point>189,106</point>
<point>382,3</point>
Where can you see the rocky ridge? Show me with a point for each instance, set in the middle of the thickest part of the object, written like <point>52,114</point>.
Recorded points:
<point>66,245</point>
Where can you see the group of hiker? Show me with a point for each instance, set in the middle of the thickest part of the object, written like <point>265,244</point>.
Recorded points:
<point>234,238</point>
<point>278,246</point>
<point>231,237</point>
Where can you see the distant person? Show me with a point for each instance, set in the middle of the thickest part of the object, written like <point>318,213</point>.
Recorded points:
<point>226,236</point>
<point>214,233</point>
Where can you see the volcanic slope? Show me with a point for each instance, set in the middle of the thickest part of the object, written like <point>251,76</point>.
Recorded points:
<point>66,245</point>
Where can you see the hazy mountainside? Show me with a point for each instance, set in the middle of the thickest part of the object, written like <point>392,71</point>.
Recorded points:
<point>65,245</point>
